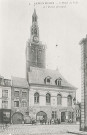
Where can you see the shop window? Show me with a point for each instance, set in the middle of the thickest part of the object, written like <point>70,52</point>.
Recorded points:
<point>16,103</point>
<point>48,98</point>
<point>36,97</point>
<point>59,99</point>
<point>4,93</point>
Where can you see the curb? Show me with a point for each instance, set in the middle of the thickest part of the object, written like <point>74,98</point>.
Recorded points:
<point>78,133</point>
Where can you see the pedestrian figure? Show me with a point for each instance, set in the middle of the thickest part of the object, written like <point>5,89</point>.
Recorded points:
<point>32,121</point>
<point>45,121</point>
<point>50,121</point>
<point>57,121</point>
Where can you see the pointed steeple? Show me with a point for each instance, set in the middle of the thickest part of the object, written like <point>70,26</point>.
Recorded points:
<point>84,40</point>
<point>34,28</point>
<point>34,17</point>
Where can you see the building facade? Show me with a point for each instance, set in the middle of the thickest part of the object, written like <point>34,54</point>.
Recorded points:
<point>19,100</point>
<point>5,100</point>
<point>50,95</point>
<point>84,84</point>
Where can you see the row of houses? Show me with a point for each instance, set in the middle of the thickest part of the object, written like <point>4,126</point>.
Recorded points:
<point>19,102</point>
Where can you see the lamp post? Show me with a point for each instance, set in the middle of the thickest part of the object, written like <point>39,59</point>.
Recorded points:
<point>74,101</point>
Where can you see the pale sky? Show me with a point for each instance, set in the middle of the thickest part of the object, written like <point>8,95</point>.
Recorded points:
<point>62,26</point>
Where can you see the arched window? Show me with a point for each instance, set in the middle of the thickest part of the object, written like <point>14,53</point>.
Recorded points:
<point>59,99</point>
<point>35,31</point>
<point>36,97</point>
<point>58,81</point>
<point>47,80</point>
<point>48,98</point>
<point>69,100</point>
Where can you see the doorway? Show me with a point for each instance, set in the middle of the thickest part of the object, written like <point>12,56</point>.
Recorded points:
<point>41,115</point>
<point>17,118</point>
<point>63,116</point>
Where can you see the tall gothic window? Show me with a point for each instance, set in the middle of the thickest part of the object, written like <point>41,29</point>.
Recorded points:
<point>36,97</point>
<point>48,98</point>
<point>59,99</point>
<point>69,100</point>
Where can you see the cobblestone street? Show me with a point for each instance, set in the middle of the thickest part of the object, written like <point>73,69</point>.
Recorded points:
<point>39,130</point>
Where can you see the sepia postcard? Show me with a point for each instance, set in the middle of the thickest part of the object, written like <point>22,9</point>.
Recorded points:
<point>43,67</point>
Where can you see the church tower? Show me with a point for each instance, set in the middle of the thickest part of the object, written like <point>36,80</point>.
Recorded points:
<point>35,50</point>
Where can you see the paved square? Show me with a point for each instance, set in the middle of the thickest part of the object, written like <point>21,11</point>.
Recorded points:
<point>39,129</point>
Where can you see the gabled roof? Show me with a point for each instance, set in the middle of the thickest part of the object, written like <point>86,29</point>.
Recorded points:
<point>37,76</point>
<point>19,82</point>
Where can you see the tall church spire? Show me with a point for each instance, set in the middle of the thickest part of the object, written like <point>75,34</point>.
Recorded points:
<point>34,17</point>
<point>34,28</point>
<point>35,51</point>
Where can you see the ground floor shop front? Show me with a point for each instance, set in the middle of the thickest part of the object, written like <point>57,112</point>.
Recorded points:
<point>48,114</point>
<point>5,116</point>
<point>45,114</point>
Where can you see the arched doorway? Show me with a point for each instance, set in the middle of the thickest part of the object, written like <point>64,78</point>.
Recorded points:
<point>17,118</point>
<point>41,115</point>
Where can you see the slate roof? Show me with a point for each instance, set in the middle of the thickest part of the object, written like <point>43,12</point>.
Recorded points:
<point>37,76</point>
<point>19,82</point>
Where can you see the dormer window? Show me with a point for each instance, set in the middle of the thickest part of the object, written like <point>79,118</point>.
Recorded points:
<point>58,81</point>
<point>47,80</point>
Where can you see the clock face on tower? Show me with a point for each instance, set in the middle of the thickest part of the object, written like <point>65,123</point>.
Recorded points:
<point>35,38</point>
